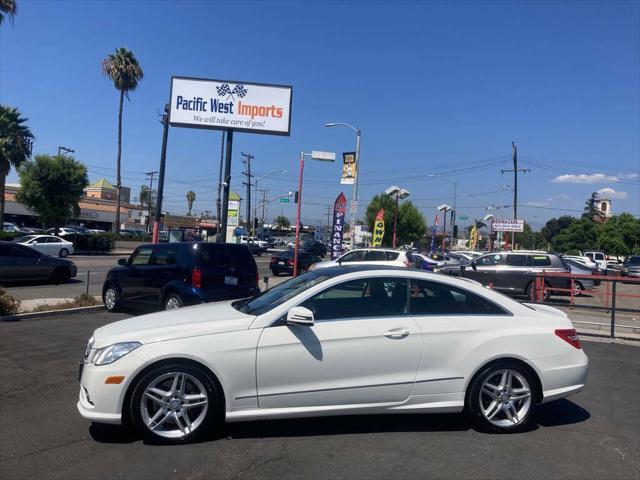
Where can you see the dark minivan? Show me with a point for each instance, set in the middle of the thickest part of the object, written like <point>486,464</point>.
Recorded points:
<point>172,275</point>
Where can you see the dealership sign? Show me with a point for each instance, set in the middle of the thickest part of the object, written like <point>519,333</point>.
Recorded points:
<point>339,211</point>
<point>507,225</point>
<point>230,105</point>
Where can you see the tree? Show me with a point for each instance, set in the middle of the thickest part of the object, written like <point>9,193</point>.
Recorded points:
<point>591,210</point>
<point>554,226</point>
<point>620,235</point>
<point>124,70</point>
<point>411,224</point>
<point>16,141</point>
<point>580,235</point>
<point>52,186</point>
<point>144,196</point>
<point>282,222</point>
<point>8,8</point>
<point>529,239</point>
<point>191,197</point>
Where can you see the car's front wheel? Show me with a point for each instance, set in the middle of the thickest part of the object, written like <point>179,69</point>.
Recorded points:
<point>64,253</point>
<point>175,403</point>
<point>111,299</point>
<point>502,398</point>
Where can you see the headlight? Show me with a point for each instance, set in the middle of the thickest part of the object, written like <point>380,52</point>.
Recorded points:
<point>88,349</point>
<point>110,354</point>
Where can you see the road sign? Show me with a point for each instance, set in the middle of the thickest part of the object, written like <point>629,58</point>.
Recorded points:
<point>463,217</point>
<point>284,200</point>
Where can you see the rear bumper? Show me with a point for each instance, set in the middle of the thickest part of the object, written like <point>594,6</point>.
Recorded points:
<point>197,296</point>
<point>276,269</point>
<point>563,375</point>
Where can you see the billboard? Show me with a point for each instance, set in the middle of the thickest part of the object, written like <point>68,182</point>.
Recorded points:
<point>230,105</point>
<point>232,215</point>
<point>508,225</point>
<point>339,212</point>
<point>348,168</point>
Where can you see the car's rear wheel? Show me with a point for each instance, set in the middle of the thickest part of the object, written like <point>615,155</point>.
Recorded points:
<point>111,299</point>
<point>578,288</point>
<point>531,292</point>
<point>175,403</point>
<point>60,275</point>
<point>173,301</point>
<point>64,253</point>
<point>502,397</point>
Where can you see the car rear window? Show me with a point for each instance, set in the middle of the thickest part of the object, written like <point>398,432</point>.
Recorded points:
<point>224,255</point>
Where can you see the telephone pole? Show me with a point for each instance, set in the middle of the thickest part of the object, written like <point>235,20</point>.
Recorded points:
<point>247,157</point>
<point>515,186</point>
<point>329,211</point>
<point>150,175</point>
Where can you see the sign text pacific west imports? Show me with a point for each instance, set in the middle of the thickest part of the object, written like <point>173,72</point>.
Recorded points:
<point>223,104</point>
<point>508,225</point>
<point>339,212</point>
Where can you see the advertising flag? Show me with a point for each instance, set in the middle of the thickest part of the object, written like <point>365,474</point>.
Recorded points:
<point>433,233</point>
<point>473,238</point>
<point>378,229</point>
<point>348,168</point>
<point>339,212</point>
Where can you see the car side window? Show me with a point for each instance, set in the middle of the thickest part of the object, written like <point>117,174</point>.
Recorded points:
<point>41,240</point>
<point>164,255</point>
<point>516,260</point>
<point>375,256</point>
<point>434,298</point>
<point>356,256</point>
<point>489,260</point>
<point>392,256</point>
<point>53,240</point>
<point>142,256</point>
<point>367,297</point>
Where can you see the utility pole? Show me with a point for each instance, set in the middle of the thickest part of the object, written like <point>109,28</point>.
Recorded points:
<point>218,201</point>
<point>515,186</point>
<point>150,175</point>
<point>329,211</point>
<point>264,203</point>
<point>163,161</point>
<point>247,162</point>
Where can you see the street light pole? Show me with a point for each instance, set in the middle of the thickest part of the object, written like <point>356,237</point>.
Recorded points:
<point>453,210</point>
<point>255,211</point>
<point>354,195</point>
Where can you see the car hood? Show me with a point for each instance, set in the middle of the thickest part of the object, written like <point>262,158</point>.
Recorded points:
<point>203,319</point>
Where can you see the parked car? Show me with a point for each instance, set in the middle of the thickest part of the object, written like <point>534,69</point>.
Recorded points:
<point>94,230</point>
<point>316,248</point>
<point>32,231</point>
<point>581,284</point>
<point>282,262</point>
<point>132,234</point>
<point>599,258</point>
<point>370,256</point>
<point>586,262</point>
<point>513,272</point>
<point>10,227</point>
<point>62,231</point>
<point>337,341</point>
<point>255,249</point>
<point>631,266</point>
<point>171,275</point>
<point>262,243</point>
<point>19,263</point>
<point>47,244</point>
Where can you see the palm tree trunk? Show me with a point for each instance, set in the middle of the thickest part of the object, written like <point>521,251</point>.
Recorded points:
<point>118,179</point>
<point>3,179</point>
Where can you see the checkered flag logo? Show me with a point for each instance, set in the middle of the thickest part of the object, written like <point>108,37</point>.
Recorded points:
<point>238,91</point>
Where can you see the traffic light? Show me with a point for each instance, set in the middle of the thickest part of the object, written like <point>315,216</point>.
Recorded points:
<point>295,197</point>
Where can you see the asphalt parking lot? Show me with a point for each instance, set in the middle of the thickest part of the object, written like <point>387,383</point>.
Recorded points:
<point>595,434</point>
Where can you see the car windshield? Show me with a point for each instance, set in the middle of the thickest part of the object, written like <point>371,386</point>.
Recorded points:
<point>279,294</point>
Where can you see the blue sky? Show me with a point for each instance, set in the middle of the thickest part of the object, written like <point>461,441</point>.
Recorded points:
<point>435,87</point>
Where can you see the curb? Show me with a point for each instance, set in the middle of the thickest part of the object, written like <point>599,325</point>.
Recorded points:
<point>50,313</point>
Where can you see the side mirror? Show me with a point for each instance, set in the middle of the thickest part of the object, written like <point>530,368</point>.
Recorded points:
<point>300,316</point>
<point>122,261</point>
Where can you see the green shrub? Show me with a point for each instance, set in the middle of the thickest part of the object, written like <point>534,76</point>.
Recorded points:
<point>8,304</point>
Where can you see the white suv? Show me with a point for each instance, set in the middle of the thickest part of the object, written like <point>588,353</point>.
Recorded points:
<point>368,256</point>
<point>599,258</point>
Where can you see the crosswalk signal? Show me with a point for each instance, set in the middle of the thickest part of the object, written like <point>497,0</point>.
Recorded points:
<point>295,197</point>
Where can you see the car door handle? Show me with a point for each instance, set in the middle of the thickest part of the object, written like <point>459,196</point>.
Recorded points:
<point>397,333</point>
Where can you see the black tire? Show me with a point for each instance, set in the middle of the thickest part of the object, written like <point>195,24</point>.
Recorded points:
<point>116,304</point>
<point>64,253</point>
<point>60,275</point>
<point>172,302</point>
<point>530,291</point>
<point>474,402</point>
<point>578,289</point>
<point>215,403</point>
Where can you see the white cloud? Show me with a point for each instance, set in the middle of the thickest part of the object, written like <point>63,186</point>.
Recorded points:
<point>611,194</point>
<point>584,178</point>
<point>563,197</point>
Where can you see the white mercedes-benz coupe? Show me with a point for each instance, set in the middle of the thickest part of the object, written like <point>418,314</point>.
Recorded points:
<point>337,341</point>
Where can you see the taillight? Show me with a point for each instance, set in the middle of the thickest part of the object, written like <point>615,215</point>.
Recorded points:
<point>570,336</point>
<point>196,277</point>
<point>274,260</point>
<point>289,262</point>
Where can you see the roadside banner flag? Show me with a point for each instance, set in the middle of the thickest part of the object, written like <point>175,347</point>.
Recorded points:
<point>473,238</point>
<point>378,229</point>
<point>348,168</point>
<point>434,231</point>
<point>339,212</point>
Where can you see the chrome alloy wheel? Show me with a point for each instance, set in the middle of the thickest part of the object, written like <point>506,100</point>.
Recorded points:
<point>174,405</point>
<point>110,298</point>
<point>505,398</point>
<point>172,303</point>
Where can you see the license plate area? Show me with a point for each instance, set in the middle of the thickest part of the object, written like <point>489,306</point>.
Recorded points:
<point>229,280</point>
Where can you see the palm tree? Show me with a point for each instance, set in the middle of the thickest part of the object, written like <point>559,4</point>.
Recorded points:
<point>16,142</point>
<point>191,197</point>
<point>9,8</point>
<point>125,72</point>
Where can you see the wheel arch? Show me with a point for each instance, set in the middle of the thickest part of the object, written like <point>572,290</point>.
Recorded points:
<point>508,358</point>
<point>126,399</point>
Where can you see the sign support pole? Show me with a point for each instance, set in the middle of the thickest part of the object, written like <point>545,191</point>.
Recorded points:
<point>297,240</point>
<point>226,184</point>
<point>163,161</point>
